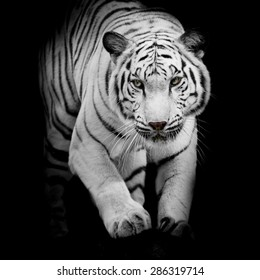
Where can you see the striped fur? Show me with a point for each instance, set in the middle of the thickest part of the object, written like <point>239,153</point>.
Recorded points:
<point>122,85</point>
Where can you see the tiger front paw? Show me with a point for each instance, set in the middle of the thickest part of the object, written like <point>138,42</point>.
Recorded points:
<point>130,222</point>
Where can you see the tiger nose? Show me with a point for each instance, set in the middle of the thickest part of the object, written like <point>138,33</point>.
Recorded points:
<point>158,125</point>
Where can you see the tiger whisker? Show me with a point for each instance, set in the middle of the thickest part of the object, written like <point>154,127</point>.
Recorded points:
<point>201,142</point>
<point>128,150</point>
<point>120,130</point>
<point>199,120</point>
<point>118,139</point>
<point>201,155</point>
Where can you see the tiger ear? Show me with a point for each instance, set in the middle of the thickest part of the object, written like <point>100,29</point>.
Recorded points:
<point>194,42</point>
<point>115,44</point>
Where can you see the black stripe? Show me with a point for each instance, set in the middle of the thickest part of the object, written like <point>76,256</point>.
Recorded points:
<point>143,58</point>
<point>158,46</point>
<point>94,138</point>
<point>81,87</point>
<point>71,35</point>
<point>107,125</point>
<point>108,16</point>
<point>132,30</point>
<point>101,94</point>
<point>202,80</point>
<point>167,159</point>
<point>185,88</point>
<point>145,14</point>
<point>58,154</point>
<point>203,84</point>
<point>128,100</point>
<point>107,77</point>
<point>81,17</point>
<point>128,65</point>
<point>78,135</point>
<point>64,130</point>
<point>144,124</point>
<point>138,186</point>
<point>192,77</point>
<point>53,90</point>
<point>93,30</point>
<point>119,102</point>
<point>148,68</point>
<point>53,60</point>
<point>51,165</point>
<point>141,45</point>
<point>164,72</point>
<point>129,92</point>
<point>202,102</point>
<point>134,173</point>
<point>165,56</point>
<point>122,82</point>
<point>44,101</point>
<point>67,78</point>
<point>167,179</point>
<point>102,97</point>
<point>186,57</point>
<point>84,27</point>
<point>195,94</point>
<point>69,110</point>
<point>105,104</point>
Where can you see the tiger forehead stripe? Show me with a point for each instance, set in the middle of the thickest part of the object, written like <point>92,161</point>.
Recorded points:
<point>162,49</point>
<point>152,55</point>
<point>137,72</point>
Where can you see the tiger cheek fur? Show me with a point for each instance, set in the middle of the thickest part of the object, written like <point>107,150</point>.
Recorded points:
<point>118,94</point>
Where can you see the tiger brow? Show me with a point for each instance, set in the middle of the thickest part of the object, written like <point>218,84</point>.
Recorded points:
<point>136,74</point>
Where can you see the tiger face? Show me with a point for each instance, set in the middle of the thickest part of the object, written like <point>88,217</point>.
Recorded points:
<point>158,83</point>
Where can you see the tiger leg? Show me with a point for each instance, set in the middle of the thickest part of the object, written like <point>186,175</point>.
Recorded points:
<point>121,214</point>
<point>61,106</point>
<point>57,173</point>
<point>174,186</point>
<point>134,174</point>
<point>57,176</point>
<point>59,127</point>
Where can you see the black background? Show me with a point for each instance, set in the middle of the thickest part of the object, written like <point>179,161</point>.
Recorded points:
<point>225,212</point>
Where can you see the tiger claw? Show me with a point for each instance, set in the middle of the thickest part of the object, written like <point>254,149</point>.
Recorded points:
<point>131,223</point>
<point>184,230</point>
<point>166,224</point>
<point>179,229</point>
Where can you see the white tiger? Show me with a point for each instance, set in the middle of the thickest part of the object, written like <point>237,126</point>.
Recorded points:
<point>122,86</point>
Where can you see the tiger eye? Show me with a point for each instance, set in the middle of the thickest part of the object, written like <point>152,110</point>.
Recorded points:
<point>137,83</point>
<point>176,80</point>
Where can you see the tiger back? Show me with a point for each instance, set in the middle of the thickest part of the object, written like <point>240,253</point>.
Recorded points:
<point>122,86</point>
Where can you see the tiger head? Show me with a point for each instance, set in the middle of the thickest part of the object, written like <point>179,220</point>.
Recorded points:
<point>157,82</point>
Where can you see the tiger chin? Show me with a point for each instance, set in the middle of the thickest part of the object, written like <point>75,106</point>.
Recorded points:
<point>126,95</point>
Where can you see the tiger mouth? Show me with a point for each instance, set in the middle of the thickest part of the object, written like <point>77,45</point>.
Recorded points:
<point>160,136</point>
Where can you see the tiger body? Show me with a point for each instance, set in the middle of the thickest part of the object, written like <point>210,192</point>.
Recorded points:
<point>122,86</point>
